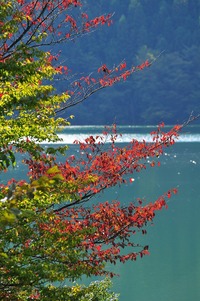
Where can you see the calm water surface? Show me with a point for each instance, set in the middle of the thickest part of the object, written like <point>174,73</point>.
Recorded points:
<point>172,271</point>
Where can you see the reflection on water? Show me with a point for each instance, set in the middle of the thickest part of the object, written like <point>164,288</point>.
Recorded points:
<point>140,133</point>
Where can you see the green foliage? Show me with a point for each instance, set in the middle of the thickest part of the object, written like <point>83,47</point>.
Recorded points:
<point>47,235</point>
<point>27,107</point>
<point>98,290</point>
<point>32,259</point>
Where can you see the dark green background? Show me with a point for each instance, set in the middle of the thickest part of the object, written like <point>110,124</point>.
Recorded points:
<point>141,29</point>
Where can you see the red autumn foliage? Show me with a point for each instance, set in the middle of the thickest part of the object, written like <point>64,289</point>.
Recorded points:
<point>106,228</point>
<point>66,231</point>
<point>98,166</point>
<point>36,18</point>
<point>113,226</point>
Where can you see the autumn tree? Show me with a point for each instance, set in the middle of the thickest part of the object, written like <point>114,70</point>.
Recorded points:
<point>49,232</point>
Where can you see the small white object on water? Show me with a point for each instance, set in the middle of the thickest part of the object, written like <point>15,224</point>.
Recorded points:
<point>193,162</point>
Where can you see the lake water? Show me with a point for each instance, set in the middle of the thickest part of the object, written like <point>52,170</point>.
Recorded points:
<point>172,271</point>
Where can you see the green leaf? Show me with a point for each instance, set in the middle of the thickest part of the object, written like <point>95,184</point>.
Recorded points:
<point>53,170</point>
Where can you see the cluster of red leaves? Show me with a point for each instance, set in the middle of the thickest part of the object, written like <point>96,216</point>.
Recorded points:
<point>105,77</point>
<point>111,76</point>
<point>35,18</point>
<point>101,20</point>
<point>110,80</point>
<point>169,137</point>
<point>101,165</point>
<point>105,228</point>
<point>113,229</point>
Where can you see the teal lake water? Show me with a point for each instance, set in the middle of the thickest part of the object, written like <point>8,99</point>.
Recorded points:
<point>172,271</point>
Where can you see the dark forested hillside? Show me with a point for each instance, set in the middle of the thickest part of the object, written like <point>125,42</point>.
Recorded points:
<point>168,30</point>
